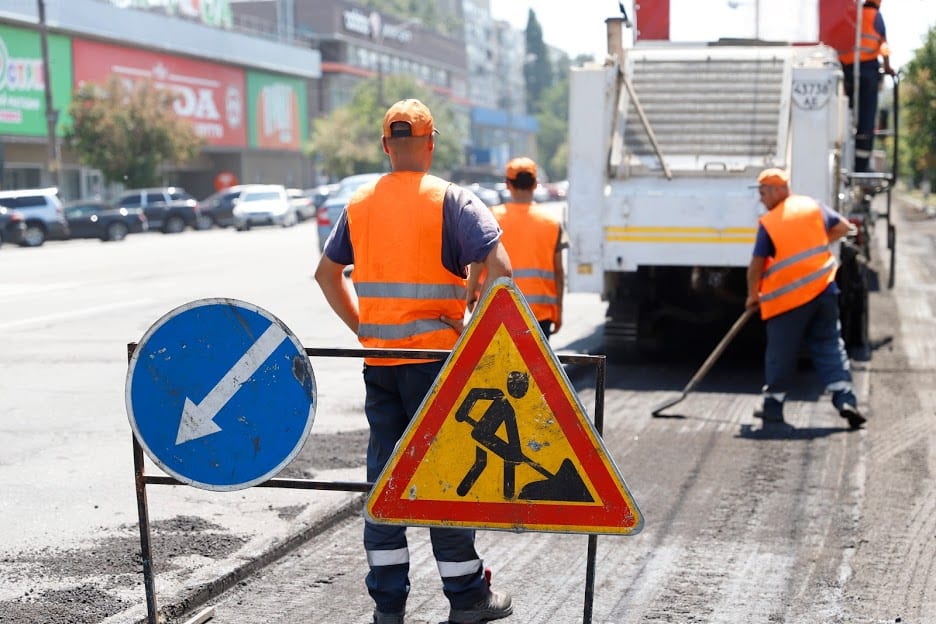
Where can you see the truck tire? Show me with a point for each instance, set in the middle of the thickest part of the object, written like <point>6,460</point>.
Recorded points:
<point>852,279</point>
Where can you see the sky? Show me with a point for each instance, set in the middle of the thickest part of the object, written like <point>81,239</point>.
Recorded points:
<point>579,28</point>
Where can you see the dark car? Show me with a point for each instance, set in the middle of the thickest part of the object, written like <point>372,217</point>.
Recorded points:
<point>169,209</point>
<point>96,219</point>
<point>219,207</point>
<point>12,226</point>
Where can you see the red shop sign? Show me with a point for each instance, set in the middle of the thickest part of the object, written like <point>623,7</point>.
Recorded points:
<point>211,96</point>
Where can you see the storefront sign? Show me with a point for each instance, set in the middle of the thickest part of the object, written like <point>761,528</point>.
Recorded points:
<point>277,110</point>
<point>22,86</point>
<point>215,13</point>
<point>372,25</point>
<point>210,96</point>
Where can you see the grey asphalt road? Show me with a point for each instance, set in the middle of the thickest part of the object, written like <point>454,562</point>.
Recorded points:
<point>807,523</point>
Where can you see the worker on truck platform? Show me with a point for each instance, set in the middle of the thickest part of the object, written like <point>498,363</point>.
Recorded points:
<point>410,237</point>
<point>873,44</point>
<point>534,239</point>
<point>791,277</point>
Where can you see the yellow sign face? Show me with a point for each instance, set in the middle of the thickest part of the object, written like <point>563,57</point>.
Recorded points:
<point>501,440</point>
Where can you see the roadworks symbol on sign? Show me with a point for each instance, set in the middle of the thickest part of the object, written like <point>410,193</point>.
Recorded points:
<point>501,441</point>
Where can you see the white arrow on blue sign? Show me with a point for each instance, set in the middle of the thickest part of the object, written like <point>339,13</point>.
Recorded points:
<point>220,394</point>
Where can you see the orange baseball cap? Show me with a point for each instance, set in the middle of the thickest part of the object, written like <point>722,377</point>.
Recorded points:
<point>520,165</point>
<point>773,177</point>
<point>408,118</point>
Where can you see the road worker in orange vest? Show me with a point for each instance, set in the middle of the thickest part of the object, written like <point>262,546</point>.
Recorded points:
<point>534,238</point>
<point>791,277</point>
<point>411,237</point>
<point>872,47</point>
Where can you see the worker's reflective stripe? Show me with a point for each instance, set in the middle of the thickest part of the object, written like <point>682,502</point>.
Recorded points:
<point>400,330</point>
<point>780,397</point>
<point>378,558</point>
<point>517,273</point>
<point>826,268</point>
<point>839,386</point>
<point>863,153</point>
<point>795,258</point>
<point>397,290</point>
<point>544,299</point>
<point>448,569</point>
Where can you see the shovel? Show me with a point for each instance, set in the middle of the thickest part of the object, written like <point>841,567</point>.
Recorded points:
<point>709,361</point>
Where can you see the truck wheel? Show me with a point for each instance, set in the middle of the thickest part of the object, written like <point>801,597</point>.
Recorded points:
<point>853,301</point>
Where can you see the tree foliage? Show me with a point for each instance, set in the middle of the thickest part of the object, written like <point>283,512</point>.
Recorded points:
<point>128,132</point>
<point>537,67</point>
<point>918,104</point>
<point>347,141</point>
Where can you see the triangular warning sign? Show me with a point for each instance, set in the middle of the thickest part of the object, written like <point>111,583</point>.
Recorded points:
<point>501,441</point>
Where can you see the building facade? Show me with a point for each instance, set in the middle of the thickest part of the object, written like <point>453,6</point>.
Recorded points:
<point>251,76</point>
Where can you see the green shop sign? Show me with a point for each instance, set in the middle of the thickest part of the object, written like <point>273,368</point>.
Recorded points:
<point>22,87</point>
<point>277,111</point>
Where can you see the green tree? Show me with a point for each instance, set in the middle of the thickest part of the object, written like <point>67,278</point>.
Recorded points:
<point>918,104</point>
<point>347,141</point>
<point>537,68</point>
<point>128,132</point>
<point>552,138</point>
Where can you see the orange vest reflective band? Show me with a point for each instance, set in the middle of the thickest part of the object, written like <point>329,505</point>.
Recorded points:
<point>872,44</point>
<point>402,287</point>
<point>803,265</point>
<point>530,237</point>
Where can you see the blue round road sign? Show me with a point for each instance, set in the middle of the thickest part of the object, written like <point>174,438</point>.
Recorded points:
<point>220,394</point>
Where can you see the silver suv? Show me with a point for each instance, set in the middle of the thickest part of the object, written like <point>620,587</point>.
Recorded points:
<point>43,211</point>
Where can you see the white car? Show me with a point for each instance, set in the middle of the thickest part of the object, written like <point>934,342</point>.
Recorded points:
<point>263,204</point>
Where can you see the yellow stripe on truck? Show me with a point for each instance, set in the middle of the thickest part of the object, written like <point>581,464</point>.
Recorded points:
<point>660,234</point>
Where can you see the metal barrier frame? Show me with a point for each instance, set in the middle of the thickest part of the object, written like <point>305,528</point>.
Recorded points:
<point>142,479</point>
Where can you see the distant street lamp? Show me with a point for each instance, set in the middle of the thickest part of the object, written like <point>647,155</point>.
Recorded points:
<point>51,114</point>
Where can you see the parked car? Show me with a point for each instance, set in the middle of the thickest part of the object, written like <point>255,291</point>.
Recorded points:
<point>97,219</point>
<point>43,211</point>
<point>169,209</point>
<point>329,211</point>
<point>320,193</point>
<point>219,207</point>
<point>302,202</point>
<point>12,226</point>
<point>488,195</point>
<point>263,204</point>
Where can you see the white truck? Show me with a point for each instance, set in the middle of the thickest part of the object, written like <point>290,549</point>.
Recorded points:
<point>665,144</point>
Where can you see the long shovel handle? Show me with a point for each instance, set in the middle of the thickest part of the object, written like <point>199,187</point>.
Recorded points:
<point>709,361</point>
<point>719,349</point>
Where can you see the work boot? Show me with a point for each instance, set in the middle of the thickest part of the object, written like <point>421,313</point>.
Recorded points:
<point>387,618</point>
<point>494,606</point>
<point>771,412</point>
<point>854,417</point>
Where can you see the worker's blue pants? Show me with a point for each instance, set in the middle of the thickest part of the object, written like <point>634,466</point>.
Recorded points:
<point>817,324</point>
<point>393,396</point>
<point>869,80</point>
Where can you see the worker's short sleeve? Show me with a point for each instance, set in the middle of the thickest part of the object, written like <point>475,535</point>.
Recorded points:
<point>830,217</point>
<point>763,246</point>
<point>338,244</point>
<point>469,230</point>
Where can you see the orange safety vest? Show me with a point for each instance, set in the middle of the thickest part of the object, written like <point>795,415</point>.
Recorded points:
<point>872,44</point>
<point>530,237</point>
<point>395,226</point>
<point>803,265</point>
